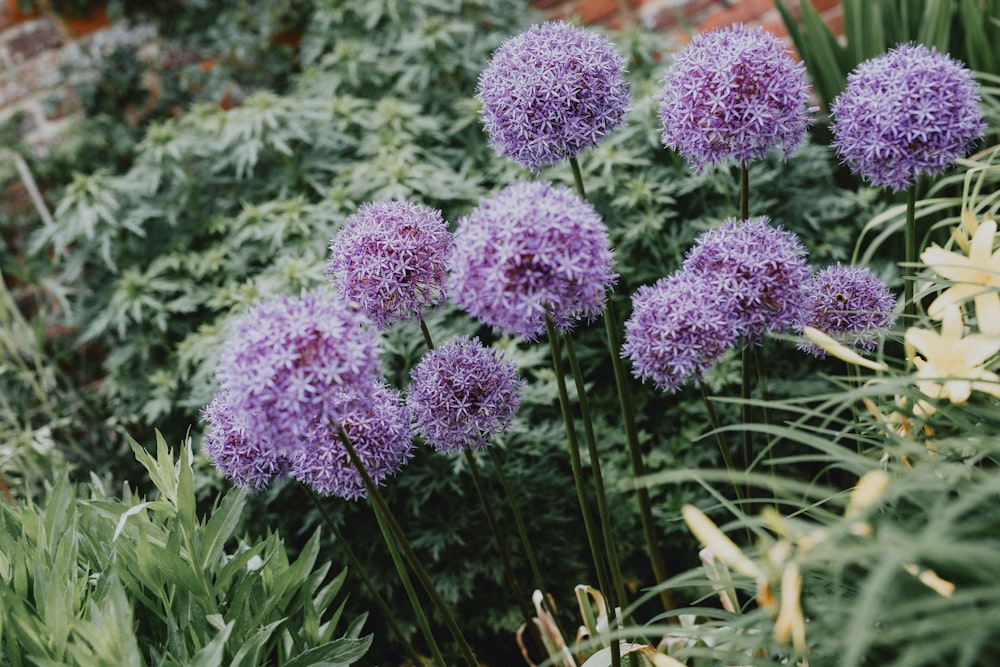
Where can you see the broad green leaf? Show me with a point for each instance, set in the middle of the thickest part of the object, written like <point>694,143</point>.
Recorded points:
<point>220,527</point>
<point>338,653</point>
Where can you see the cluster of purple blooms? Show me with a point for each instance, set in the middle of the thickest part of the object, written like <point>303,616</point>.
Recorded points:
<point>391,257</point>
<point>909,112</point>
<point>532,251</point>
<point>552,92</point>
<point>298,373</point>
<point>734,95</point>
<point>739,282</point>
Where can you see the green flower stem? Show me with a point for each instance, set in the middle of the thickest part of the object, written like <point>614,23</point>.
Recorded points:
<point>744,191</point>
<point>746,408</point>
<point>765,395</point>
<point>854,378</point>
<point>910,252</point>
<point>522,531</point>
<point>359,569</point>
<point>384,514</point>
<point>618,598</point>
<point>635,454</point>
<point>426,333</point>
<point>631,432</point>
<point>713,419</point>
<point>522,600</point>
<point>577,466</point>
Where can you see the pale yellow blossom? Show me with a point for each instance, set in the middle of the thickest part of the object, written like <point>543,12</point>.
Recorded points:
<point>976,277</point>
<point>951,365</point>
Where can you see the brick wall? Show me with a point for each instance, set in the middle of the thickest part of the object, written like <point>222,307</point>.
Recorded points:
<point>681,18</point>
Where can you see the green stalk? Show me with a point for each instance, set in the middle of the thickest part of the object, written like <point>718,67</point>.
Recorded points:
<point>618,597</point>
<point>758,355</point>
<point>508,567</point>
<point>359,569</point>
<point>744,191</point>
<point>713,419</point>
<point>635,454</point>
<point>631,432</point>
<point>522,532</point>
<point>746,408</point>
<point>384,514</point>
<point>576,464</point>
<point>909,268</point>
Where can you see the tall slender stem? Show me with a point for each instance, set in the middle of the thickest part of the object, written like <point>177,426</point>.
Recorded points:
<point>426,333</point>
<point>713,419</point>
<point>617,594</point>
<point>577,177</point>
<point>508,567</point>
<point>910,256</point>
<point>635,454</point>
<point>744,191</point>
<point>359,569</point>
<point>765,395</point>
<point>577,465</point>
<point>522,532</point>
<point>746,408</point>
<point>385,514</point>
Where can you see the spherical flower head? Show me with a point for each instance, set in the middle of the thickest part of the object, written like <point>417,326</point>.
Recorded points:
<point>532,250</point>
<point>551,92</point>
<point>391,257</point>
<point>761,270</point>
<point>377,425</point>
<point>678,329</point>
<point>244,459</point>
<point>462,393</point>
<point>909,112</point>
<point>287,363</point>
<point>851,305</point>
<point>734,95</point>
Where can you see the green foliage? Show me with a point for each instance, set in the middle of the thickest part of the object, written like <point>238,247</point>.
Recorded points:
<point>94,580</point>
<point>965,29</point>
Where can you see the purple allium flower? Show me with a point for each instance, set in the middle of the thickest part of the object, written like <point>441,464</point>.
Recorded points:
<point>462,393</point>
<point>392,258</point>
<point>678,329</point>
<point>378,426</point>
<point>734,94</point>
<point>241,457</point>
<point>909,112</point>
<point>531,250</point>
<point>551,92</point>
<point>760,268</point>
<point>288,362</point>
<point>851,305</point>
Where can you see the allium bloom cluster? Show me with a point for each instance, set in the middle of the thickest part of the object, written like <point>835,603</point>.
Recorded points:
<point>288,364</point>
<point>237,453</point>
<point>532,250</point>
<point>378,427</point>
<point>462,393</point>
<point>909,112</point>
<point>392,258</point>
<point>551,92</point>
<point>759,268</point>
<point>734,94</point>
<point>678,329</point>
<point>851,305</point>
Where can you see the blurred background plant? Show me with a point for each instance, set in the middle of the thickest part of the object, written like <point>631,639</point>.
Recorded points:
<point>176,211</point>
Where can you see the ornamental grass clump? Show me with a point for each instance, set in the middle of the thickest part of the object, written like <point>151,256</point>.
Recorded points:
<point>552,92</point>
<point>734,94</point>
<point>463,393</point>
<point>529,252</point>
<point>849,304</point>
<point>391,257</point>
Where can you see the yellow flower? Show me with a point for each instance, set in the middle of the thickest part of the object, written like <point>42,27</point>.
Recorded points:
<point>952,366</point>
<point>975,277</point>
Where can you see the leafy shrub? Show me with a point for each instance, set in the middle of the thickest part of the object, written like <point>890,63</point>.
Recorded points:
<point>98,580</point>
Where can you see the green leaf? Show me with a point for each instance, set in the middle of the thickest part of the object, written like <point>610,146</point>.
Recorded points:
<point>220,527</point>
<point>338,653</point>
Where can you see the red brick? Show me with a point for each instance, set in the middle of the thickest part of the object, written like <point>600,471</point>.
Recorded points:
<point>546,4</point>
<point>594,11</point>
<point>745,11</point>
<point>94,21</point>
<point>11,14</point>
